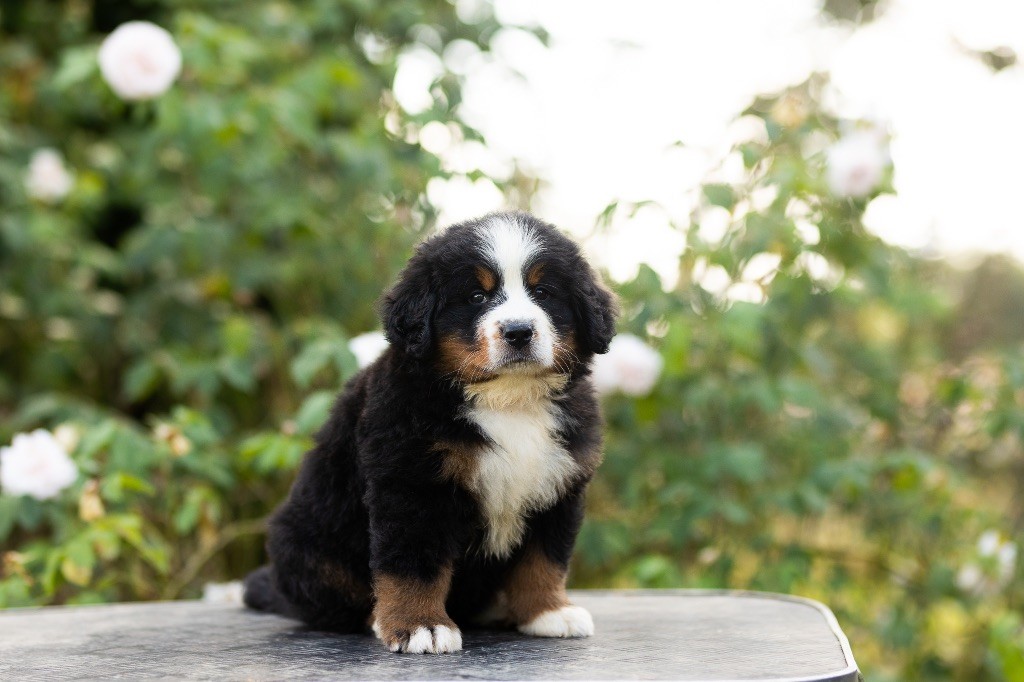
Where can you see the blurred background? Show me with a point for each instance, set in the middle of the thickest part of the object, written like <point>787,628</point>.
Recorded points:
<point>810,210</point>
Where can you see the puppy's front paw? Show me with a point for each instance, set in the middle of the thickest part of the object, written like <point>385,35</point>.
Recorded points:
<point>567,621</point>
<point>424,639</point>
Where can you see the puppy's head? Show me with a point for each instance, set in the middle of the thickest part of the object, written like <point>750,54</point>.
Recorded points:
<point>505,294</point>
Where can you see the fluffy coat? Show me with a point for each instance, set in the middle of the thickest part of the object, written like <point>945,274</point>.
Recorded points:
<point>447,486</point>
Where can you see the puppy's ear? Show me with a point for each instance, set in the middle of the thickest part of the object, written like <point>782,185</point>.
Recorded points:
<point>596,309</point>
<point>407,311</point>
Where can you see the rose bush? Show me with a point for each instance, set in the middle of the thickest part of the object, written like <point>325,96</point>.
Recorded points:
<point>836,417</point>
<point>201,204</point>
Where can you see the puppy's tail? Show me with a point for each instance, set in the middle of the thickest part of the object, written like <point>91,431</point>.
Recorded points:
<point>260,592</point>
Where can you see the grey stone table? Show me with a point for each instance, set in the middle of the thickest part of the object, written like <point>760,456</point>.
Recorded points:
<point>681,635</point>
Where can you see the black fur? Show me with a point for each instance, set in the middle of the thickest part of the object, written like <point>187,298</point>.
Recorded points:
<point>370,497</point>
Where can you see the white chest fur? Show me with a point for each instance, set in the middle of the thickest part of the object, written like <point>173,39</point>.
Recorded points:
<point>524,469</point>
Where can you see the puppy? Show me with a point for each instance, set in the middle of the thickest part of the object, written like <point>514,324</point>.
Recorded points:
<point>447,485</point>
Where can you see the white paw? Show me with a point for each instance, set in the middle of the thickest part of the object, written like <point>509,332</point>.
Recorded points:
<point>568,621</point>
<point>439,639</point>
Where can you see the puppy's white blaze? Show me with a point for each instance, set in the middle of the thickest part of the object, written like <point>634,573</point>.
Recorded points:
<point>568,621</point>
<point>524,469</point>
<point>440,639</point>
<point>510,246</point>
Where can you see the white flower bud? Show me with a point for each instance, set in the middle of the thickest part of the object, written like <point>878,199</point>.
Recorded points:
<point>68,436</point>
<point>988,543</point>
<point>47,179</point>
<point>90,504</point>
<point>995,569</point>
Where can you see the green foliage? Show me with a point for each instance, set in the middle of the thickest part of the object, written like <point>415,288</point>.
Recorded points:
<point>846,429</point>
<point>186,306</point>
<point>830,440</point>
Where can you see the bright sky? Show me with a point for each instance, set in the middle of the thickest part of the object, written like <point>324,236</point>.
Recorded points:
<point>595,115</point>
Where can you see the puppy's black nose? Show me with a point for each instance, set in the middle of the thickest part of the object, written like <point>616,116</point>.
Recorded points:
<point>518,334</point>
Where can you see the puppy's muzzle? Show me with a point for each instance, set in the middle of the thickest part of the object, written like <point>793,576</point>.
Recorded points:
<point>517,333</point>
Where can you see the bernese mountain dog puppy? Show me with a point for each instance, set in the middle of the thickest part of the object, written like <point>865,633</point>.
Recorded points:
<point>447,485</point>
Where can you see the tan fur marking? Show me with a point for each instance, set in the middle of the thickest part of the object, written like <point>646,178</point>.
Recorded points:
<point>463,361</point>
<point>535,585</point>
<point>566,351</point>
<point>486,278</point>
<point>515,390</point>
<point>404,604</point>
<point>534,275</point>
<point>458,462</point>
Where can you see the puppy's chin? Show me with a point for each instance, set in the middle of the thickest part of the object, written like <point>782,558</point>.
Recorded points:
<point>521,366</point>
<point>517,388</point>
<point>536,359</point>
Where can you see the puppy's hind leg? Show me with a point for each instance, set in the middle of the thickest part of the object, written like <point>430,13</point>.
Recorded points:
<point>260,592</point>
<point>325,593</point>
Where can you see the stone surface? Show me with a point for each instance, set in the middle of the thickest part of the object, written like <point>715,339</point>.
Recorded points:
<point>682,635</point>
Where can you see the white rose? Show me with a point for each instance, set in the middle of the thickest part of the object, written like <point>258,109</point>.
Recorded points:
<point>856,164</point>
<point>68,436</point>
<point>970,578</point>
<point>988,543</point>
<point>139,60</point>
<point>36,464</point>
<point>1006,559</point>
<point>629,366</point>
<point>981,580</point>
<point>368,347</point>
<point>992,544</point>
<point>48,180</point>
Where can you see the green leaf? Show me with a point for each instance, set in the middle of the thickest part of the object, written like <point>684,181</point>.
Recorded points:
<point>237,334</point>
<point>96,439</point>
<point>77,64</point>
<point>238,373</point>
<point>9,512</point>
<point>141,380</point>
<point>313,412</point>
<point>270,452</point>
<point>51,570</point>
<point>313,358</point>
<point>720,195</point>
<point>80,552</point>
<point>114,485</point>
<point>186,518</point>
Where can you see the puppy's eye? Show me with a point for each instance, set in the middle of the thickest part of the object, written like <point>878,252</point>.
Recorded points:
<point>541,293</point>
<point>478,298</point>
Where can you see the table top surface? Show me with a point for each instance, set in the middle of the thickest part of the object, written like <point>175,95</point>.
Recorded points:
<point>681,635</point>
